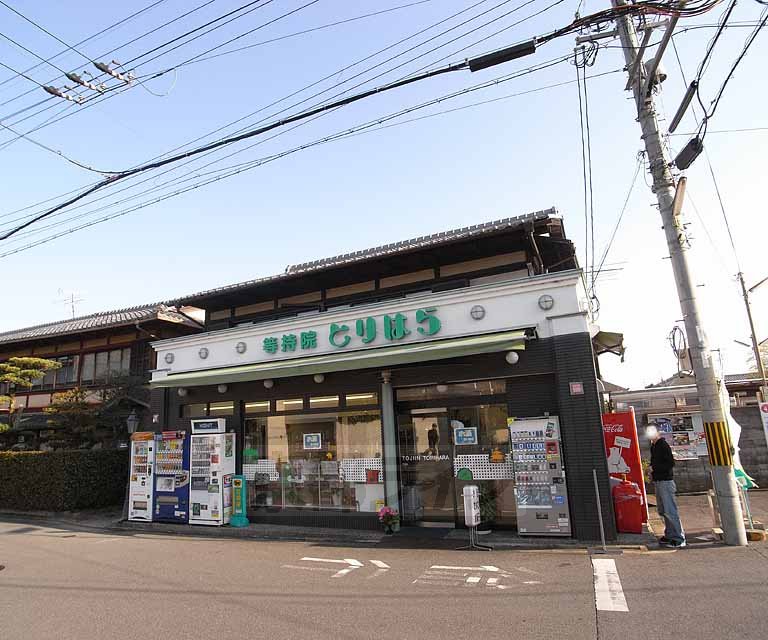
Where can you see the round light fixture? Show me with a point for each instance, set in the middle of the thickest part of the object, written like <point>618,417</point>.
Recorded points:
<point>319,378</point>
<point>546,302</point>
<point>512,357</point>
<point>477,312</point>
<point>203,353</point>
<point>222,388</point>
<point>268,384</point>
<point>182,392</point>
<point>442,388</point>
<point>169,358</point>
<point>241,347</point>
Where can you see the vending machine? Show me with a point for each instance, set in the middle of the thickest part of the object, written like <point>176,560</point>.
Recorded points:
<point>171,500</point>
<point>540,488</point>
<point>213,465</point>
<point>140,482</point>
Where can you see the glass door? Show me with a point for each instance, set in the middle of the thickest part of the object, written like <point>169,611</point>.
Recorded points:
<point>425,450</point>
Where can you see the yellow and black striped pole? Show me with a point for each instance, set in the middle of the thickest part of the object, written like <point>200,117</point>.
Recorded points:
<point>719,444</point>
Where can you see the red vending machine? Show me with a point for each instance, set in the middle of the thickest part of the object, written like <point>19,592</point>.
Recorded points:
<point>623,450</point>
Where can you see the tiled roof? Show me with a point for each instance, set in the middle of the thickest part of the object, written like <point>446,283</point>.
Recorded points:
<point>437,239</point>
<point>734,378</point>
<point>100,320</point>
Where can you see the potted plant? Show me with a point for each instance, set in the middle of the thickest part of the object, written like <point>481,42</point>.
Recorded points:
<point>389,517</point>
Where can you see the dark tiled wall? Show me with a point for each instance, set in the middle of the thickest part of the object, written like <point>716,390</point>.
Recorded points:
<point>582,433</point>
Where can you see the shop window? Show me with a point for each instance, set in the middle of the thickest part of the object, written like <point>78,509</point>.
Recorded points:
<point>457,390</point>
<point>199,410</point>
<point>327,461</point>
<point>295,404</point>
<point>257,407</point>
<point>218,409</point>
<point>361,399</point>
<point>323,402</point>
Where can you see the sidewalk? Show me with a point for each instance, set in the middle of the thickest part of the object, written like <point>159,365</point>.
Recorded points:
<point>694,511</point>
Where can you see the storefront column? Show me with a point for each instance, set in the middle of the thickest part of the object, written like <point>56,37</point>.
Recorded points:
<point>389,429</point>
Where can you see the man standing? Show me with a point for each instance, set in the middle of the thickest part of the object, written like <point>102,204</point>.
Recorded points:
<point>662,474</point>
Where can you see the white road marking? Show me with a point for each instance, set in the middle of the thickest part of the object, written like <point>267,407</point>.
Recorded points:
<point>609,596</point>
<point>481,568</point>
<point>296,566</point>
<point>379,564</point>
<point>329,560</point>
<point>473,579</point>
<point>343,572</point>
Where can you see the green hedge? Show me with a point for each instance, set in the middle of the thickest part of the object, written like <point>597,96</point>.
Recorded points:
<point>62,480</point>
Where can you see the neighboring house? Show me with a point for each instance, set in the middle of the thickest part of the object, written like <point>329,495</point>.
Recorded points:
<point>675,401</point>
<point>92,350</point>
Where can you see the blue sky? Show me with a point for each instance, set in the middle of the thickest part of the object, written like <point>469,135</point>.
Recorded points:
<point>491,161</point>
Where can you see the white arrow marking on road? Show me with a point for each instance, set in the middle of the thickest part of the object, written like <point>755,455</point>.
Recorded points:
<point>379,564</point>
<point>351,563</point>
<point>481,568</point>
<point>609,596</point>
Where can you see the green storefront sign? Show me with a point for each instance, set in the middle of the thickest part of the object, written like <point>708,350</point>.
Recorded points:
<point>362,331</point>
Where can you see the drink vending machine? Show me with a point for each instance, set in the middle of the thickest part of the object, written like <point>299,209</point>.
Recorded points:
<point>540,488</point>
<point>171,500</point>
<point>140,484</point>
<point>213,465</point>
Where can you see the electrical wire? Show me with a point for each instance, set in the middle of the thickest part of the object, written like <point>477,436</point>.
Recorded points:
<point>54,151</point>
<point>236,169</point>
<point>313,84</point>
<point>120,22</point>
<point>299,33</point>
<point>29,51</point>
<point>44,30</point>
<point>638,166</point>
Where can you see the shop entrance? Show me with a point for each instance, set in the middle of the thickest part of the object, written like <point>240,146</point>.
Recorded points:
<point>443,448</point>
<point>427,485</point>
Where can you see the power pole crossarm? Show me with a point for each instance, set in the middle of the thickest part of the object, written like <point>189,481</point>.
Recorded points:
<point>720,457</point>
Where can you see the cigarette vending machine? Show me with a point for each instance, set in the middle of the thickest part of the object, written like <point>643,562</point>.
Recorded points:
<point>171,501</point>
<point>140,482</point>
<point>540,487</point>
<point>213,465</point>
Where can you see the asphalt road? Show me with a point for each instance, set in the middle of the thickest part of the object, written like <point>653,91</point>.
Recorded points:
<point>64,583</point>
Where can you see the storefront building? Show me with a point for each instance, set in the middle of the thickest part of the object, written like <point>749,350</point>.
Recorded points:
<point>402,374</point>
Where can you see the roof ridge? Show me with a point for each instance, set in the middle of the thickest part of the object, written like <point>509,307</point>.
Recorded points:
<point>154,305</point>
<point>375,251</point>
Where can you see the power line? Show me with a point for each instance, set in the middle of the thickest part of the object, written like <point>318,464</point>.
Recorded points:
<point>236,169</point>
<point>309,86</point>
<point>43,29</point>
<point>607,250</point>
<point>301,33</point>
<point>125,44</point>
<point>120,22</point>
<point>21,46</point>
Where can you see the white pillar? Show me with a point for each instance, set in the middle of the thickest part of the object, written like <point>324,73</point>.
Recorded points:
<point>389,432</point>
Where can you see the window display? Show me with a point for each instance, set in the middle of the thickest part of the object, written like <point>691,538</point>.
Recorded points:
<point>327,461</point>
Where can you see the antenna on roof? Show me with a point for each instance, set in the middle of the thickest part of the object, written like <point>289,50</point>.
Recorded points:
<point>69,298</point>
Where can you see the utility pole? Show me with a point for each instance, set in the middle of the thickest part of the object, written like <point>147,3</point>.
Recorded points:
<point>755,343</point>
<point>670,199</point>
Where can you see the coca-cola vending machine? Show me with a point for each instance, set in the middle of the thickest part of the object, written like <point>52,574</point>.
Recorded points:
<point>623,450</point>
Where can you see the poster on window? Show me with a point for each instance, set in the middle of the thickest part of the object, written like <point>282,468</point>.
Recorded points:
<point>313,441</point>
<point>684,432</point>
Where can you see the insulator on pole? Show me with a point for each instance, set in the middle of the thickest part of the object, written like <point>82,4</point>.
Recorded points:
<point>60,94</point>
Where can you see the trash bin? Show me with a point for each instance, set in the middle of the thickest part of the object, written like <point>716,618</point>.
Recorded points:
<point>628,505</point>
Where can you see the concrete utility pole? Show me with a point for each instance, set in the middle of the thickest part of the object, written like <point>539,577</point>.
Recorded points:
<point>670,198</point>
<point>755,343</point>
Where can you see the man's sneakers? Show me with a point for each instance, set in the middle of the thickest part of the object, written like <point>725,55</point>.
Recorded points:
<point>675,544</point>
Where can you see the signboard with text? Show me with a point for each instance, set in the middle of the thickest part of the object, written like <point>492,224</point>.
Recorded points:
<point>623,450</point>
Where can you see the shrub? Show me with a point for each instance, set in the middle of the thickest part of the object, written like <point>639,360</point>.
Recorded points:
<point>62,480</point>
